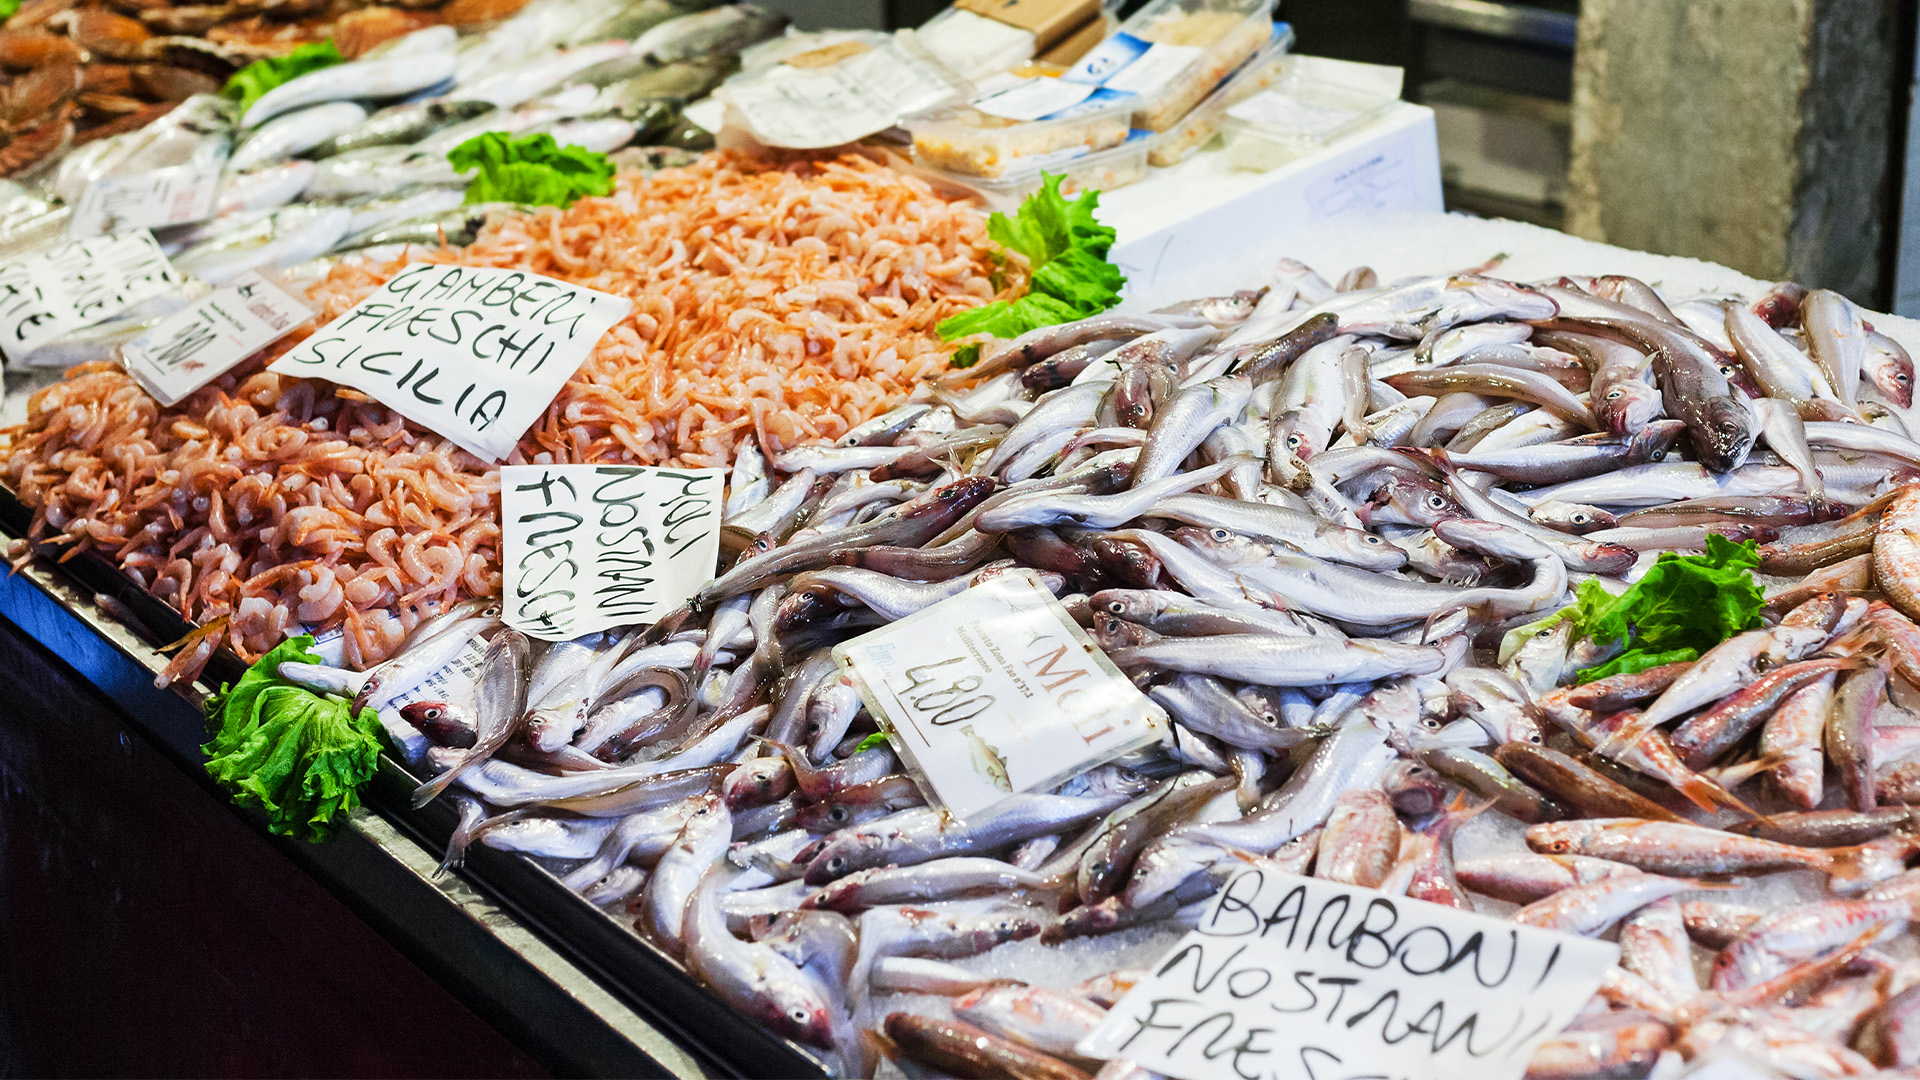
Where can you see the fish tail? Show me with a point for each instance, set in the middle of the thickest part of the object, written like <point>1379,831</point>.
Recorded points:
<point>431,790</point>
<point>1709,796</point>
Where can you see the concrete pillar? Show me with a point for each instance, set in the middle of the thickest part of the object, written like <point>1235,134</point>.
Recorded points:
<point>1747,132</point>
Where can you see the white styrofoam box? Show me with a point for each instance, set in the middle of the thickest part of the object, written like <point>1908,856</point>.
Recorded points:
<point>1180,221</point>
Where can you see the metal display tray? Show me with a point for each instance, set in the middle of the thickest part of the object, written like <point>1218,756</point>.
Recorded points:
<point>559,976</point>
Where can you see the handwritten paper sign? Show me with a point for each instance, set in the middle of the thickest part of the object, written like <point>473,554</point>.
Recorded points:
<point>76,285</point>
<point>1290,977</point>
<point>475,353</point>
<point>202,341</point>
<point>997,691</point>
<point>149,200</point>
<point>591,547</point>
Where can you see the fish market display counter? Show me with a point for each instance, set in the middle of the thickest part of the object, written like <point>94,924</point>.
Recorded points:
<point>529,974</point>
<point>105,782</point>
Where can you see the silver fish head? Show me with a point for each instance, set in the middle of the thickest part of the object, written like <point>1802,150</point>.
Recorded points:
<point>845,854</point>
<point>789,1005</point>
<point>1725,438</point>
<point>1569,517</point>
<point>758,782</point>
<point>1626,406</point>
<point>1414,789</point>
<point>1407,498</point>
<point>1362,549</point>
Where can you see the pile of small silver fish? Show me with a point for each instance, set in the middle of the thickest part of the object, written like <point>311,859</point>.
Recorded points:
<point>1305,520</point>
<point>351,159</point>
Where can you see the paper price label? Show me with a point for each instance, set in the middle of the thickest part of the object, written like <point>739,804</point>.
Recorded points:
<point>204,340</point>
<point>592,547</point>
<point>475,353</point>
<point>997,691</point>
<point>77,284</point>
<point>150,200</point>
<point>1290,977</point>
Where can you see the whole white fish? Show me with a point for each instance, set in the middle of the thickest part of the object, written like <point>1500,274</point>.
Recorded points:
<point>294,234</point>
<point>522,82</point>
<point>295,132</point>
<point>392,77</point>
<point>380,170</point>
<point>266,188</point>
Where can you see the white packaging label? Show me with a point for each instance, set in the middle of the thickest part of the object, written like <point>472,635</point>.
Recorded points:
<point>200,342</point>
<point>592,547</point>
<point>458,683</point>
<point>1284,112</point>
<point>475,353</point>
<point>1155,68</point>
<point>811,108</point>
<point>1290,977</point>
<point>150,200</point>
<point>1034,98</point>
<point>77,284</point>
<point>997,691</point>
<point>1132,65</point>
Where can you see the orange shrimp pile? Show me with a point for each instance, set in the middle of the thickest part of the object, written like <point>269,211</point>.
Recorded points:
<point>795,300</point>
<point>791,300</point>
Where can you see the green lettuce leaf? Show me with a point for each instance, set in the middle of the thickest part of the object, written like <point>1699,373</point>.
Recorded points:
<point>249,83</point>
<point>532,170</point>
<point>298,756</point>
<point>878,738</point>
<point>1066,247</point>
<point>1683,606</point>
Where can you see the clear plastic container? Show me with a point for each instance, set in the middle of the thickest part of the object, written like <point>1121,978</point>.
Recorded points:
<point>967,140</point>
<point>1312,103</point>
<point>1193,131</point>
<point>977,46</point>
<point>1103,170</point>
<point>1172,53</point>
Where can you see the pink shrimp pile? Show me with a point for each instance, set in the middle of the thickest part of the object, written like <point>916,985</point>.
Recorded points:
<point>794,300</point>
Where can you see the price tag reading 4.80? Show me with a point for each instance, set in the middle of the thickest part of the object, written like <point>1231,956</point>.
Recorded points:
<point>997,691</point>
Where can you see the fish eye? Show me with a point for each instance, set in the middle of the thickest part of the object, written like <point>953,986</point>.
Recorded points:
<point>1431,723</point>
<point>1293,442</point>
<point>1534,737</point>
<point>1220,534</point>
<point>837,813</point>
<point>1580,518</point>
<point>1375,540</point>
<point>798,1015</point>
<point>1269,719</point>
<point>1116,607</point>
<point>1659,455</point>
<point>431,714</point>
<point>1560,847</point>
<point>1545,633</point>
<point>1436,501</point>
<point>1615,395</point>
<point>836,864</point>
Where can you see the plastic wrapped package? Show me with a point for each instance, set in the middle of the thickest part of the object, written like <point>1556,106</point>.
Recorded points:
<point>1037,121</point>
<point>1103,170</point>
<point>977,46</point>
<point>1314,101</point>
<point>1192,132</point>
<point>1172,53</point>
<point>838,93</point>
